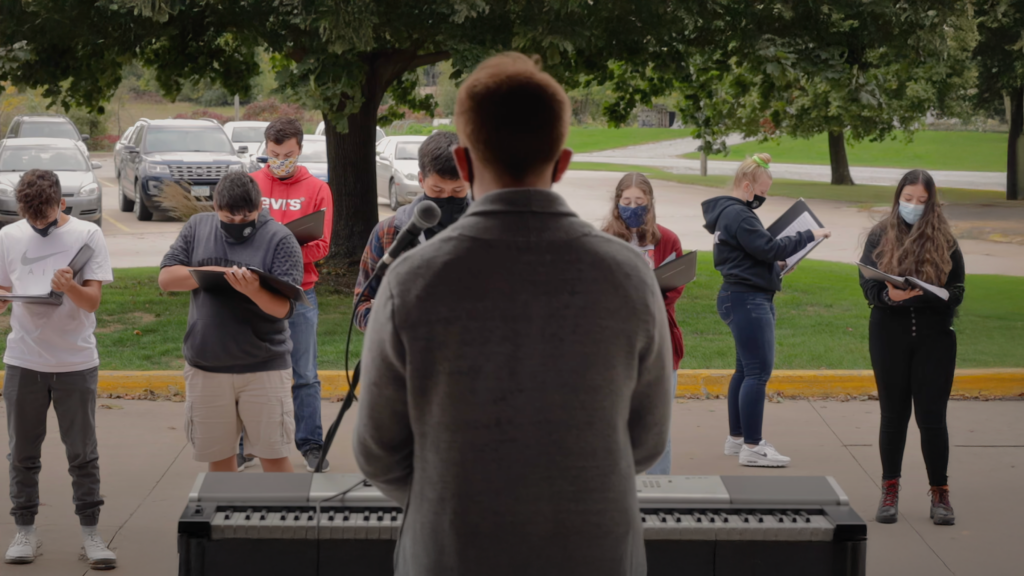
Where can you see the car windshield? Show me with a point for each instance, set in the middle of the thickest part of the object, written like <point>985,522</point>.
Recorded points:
<point>314,152</point>
<point>247,134</point>
<point>48,130</point>
<point>188,140</point>
<point>19,159</point>
<point>407,151</point>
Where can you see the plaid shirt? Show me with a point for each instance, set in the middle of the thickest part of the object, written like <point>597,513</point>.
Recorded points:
<point>381,238</point>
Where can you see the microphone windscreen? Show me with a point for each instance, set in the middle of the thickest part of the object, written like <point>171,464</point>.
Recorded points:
<point>427,215</point>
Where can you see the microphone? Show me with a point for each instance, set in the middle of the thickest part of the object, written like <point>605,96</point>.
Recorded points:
<point>427,215</point>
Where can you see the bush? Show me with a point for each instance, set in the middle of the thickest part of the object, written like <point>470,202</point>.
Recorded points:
<point>270,109</point>
<point>88,123</point>
<point>103,143</point>
<point>203,113</point>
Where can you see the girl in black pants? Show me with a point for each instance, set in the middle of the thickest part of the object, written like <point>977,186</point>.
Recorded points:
<point>911,338</point>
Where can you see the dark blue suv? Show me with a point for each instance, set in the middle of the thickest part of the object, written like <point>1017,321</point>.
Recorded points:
<point>192,153</point>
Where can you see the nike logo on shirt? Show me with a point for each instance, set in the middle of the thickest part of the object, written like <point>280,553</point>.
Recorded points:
<point>26,261</point>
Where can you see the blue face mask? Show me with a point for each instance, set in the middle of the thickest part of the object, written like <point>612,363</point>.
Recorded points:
<point>633,216</point>
<point>911,213</point>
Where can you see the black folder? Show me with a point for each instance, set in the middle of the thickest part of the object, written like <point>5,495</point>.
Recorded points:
<point>798,211</point>
<point>214,281</point>
<point>308,228</point>
<point>77,264</point>
<point>678,272</point>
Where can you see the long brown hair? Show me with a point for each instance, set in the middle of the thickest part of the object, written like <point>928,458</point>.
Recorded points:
<point>646,234</point>
<point>922,250</point>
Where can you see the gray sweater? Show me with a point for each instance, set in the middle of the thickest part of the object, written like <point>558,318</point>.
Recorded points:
<point>227,332</point>
<point>517,376</point>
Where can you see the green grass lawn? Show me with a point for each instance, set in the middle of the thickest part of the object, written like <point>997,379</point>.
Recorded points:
<point>822,322</point>
<point>860,194</point>
<point>971,151</point>
<point>583,139</point>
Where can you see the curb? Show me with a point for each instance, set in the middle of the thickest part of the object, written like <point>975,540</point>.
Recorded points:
<point>690,383</point>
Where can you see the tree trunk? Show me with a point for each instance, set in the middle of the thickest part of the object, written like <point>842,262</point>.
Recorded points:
<point>1015,147</point>
<point>704,160</point>
<point>837,156</point>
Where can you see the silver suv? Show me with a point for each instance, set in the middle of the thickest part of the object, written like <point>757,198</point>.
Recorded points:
<point>47,126</point>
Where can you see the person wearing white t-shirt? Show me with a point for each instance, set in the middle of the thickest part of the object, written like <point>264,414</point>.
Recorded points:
<point>51,356</point>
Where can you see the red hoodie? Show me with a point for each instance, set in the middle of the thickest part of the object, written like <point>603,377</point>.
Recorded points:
<point>293,198</point>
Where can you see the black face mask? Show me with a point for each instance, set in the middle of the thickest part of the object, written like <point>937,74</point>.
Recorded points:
<point>757,202</point>
<point>452,209</point>
<point>239,232</point>
<point>45,230</point>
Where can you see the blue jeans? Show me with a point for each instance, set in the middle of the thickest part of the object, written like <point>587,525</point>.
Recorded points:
<point>751,318</point>
<point>309,432</point>
<point>664,464</point>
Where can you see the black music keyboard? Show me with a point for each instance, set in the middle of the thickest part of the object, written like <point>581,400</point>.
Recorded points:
<point>320,524</point>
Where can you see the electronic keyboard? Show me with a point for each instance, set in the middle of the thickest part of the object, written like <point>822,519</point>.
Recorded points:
<point>338,524</point>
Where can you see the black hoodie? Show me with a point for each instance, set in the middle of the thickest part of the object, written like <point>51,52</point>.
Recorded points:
<point>745,253</point>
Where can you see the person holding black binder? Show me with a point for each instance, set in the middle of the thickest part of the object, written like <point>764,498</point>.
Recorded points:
<point>911,337</point>
<point>751,261</point>
<point>237,349</point>
<point>633,219</point>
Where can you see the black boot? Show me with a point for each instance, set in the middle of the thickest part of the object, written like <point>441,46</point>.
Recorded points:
<point>942,511</point>
<point>889,505</point>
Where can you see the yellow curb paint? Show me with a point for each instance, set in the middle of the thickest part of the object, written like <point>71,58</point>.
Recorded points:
<point>821,383</point>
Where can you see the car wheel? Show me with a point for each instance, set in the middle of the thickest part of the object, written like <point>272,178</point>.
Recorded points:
<point>123,203</point>
<point>393,195</point>
<point>142,213</point>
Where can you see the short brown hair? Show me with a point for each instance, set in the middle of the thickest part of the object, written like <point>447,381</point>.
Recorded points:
<point>38,193</point>
<point>512,116</point>
<point>282,130</point>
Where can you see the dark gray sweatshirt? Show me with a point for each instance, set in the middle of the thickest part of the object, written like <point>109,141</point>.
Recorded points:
<point>227,332</point>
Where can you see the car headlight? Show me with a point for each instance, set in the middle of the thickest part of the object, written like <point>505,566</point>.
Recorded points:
<point>89,190</point>
<point>6,191</point>
<point>411,177</point>
<point>158,169</point>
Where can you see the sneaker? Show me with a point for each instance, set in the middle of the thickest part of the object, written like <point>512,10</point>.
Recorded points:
<point>942,511</point>
<point>733,447</point>
<point>96,552</point>
<point>889,505</point>
<point>24,548</point>
<point>244,462</point>
<point>764,455</point>
<point>312,457</point>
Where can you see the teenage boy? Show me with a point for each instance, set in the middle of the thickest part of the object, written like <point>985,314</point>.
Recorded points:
<point>291,192</point>
<point>442,185</point>
<point>51,356</point>
<point>238,370</point>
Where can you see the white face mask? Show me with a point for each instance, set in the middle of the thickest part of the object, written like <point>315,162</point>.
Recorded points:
<point>911,213</point>
<point>282,167</point>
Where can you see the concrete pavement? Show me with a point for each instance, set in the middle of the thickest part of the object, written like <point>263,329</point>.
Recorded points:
<point>148,470</point>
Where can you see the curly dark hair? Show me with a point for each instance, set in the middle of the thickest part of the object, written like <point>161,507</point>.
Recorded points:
<point>237,194</point>
<point>38,193</point>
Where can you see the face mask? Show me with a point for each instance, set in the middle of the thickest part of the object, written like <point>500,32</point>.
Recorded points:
<point>45,230</point>
<point>911,213</point>
<point>282,168</point>
<point>633,216</point>
<point>756,202</point>
<point>452,209</point>
<point>239,232</point>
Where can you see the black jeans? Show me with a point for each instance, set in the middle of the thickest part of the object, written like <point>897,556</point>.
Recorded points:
<point>751,317</point>
<point>913,353</point>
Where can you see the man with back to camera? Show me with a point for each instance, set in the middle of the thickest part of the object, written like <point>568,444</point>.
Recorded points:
<point>517,367</point>
<point>442,185</point>
<point>238,371</point>
<point>291,192</point>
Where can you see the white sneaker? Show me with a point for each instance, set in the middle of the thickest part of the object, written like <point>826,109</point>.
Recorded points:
<point>732,447</point>
<point>24,549</point>
<point>96,552</point>
<point>764,455</point>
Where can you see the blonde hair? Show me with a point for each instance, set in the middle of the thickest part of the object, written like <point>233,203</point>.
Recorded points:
<point>646,234</point>
<point>752,171</point>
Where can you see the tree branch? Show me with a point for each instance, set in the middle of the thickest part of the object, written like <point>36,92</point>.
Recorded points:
<point>428,59</point>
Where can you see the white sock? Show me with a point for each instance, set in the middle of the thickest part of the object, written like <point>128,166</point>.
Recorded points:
<point>89,530</point>
<point>27,530</point>
<point>736,438</point>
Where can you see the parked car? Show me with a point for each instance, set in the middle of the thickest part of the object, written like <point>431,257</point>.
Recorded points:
<point>322,127</point>
<point>313,157</point>
<point>248,133</point>
<point>80,187</point>
<point>119,149</point>
<point>193,153</point>
<point>47,126</point>
<point>398,169</point>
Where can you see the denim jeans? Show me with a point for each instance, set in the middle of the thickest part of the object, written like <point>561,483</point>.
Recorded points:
<point>751,318</point>
<point>309,432</point>
<point>664,464</point>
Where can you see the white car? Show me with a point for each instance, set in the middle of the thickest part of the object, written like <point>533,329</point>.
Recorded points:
<point>322,126</point>
<point>248,133</point>
<point>398,169</point>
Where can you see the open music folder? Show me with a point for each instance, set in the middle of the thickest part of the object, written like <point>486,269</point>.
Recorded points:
<point>309,227</point>
<point>53,298</point>
<point>214,280</point>
<point>797,218</point>
<point>903,282</point>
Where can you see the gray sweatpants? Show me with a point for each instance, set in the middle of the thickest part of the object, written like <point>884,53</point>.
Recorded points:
<point>27,395</point>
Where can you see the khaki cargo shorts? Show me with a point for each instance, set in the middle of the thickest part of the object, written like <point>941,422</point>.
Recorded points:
<point>220,407</point>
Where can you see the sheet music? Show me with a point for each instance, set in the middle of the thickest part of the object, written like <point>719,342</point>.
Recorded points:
<point>926,287</point>
<point>803,222</point>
